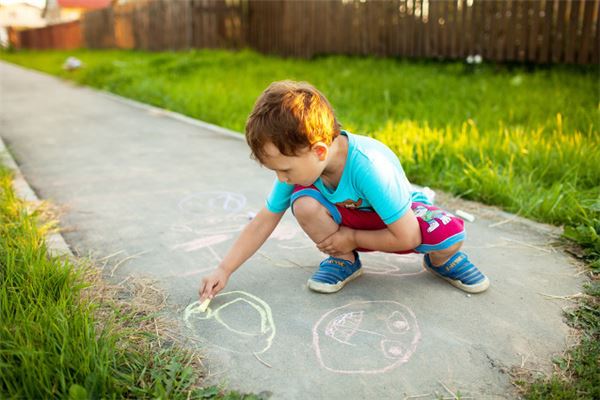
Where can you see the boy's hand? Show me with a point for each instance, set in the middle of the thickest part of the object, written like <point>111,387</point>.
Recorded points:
<point>341,242</point>
<point>213,284</point>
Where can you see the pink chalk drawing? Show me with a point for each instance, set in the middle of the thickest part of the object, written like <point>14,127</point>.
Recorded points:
<point>368,337</point>
<point>291,237</point>
<point>378,263</point>
<point>208,203</point>
<point>201,243</point>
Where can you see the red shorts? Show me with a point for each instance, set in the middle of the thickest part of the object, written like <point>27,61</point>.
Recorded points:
<point>439,229</point>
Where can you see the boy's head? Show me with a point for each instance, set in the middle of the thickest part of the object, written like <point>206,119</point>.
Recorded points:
<point>292,116</point>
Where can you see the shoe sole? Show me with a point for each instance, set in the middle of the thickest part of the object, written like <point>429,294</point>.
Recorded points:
<point>477,288</point>
<point>329,288</point>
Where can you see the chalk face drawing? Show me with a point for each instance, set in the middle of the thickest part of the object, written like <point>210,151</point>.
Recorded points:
<point>378,263</point>
<point>213,202</point>
<point>368,337</point>
<point>235,321</point>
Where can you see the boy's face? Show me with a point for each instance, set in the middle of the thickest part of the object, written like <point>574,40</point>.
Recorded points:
<point>302,169</point>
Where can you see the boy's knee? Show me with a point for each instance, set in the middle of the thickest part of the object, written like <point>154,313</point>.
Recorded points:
<point>306,207</point>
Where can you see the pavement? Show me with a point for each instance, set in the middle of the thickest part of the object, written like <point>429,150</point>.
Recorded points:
<point>169,195</point>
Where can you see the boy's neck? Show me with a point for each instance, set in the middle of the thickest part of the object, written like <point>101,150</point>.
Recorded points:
<point>338,151</point>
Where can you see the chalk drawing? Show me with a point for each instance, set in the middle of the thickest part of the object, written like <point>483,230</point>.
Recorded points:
<point>212,225</point>
<point>201,243</point>
<point>368,337</point>
<point>379,263</point>
<point>207,203</point>
<point>235,321</point>
<point>291,237</point>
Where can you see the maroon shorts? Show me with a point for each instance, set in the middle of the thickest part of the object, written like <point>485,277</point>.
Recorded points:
<point>439,229</point>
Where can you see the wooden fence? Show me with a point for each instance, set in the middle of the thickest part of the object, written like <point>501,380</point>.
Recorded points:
<point>536,31</point>
<point>65,36</point>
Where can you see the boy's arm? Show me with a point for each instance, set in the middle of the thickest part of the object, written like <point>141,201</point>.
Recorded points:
<point>252,237</point>
<point>401,235</point>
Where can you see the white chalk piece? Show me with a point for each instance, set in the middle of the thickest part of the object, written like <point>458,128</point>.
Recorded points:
<point>251,215</point>
<point>202,307</point>
<point>465,215</point>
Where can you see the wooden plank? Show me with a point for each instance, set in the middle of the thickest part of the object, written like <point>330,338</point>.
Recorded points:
<point>544,52</point>
<point>500,31</point>
<point>533,16</point>
<point>469,31</point>
<point>571,41</point>
<point>559,36</point>
<point>286,36</point>
<point>460,29</point>
<point>434,15</point>
<point>425,32</point>
<point>451,28</point>
<point>441,31</point>
<point>418,26</point>
<point>494,30</point>
<point>409,28</point>
<point>596,38</point>
<point>479,28</point>
<point>403,28</point>
<point>521,32</point>
<point>586,31</point>
<point>509,31</point>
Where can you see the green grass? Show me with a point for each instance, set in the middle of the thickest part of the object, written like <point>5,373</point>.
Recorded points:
<point>579,372</point>
<point>524,139</point>
<point>54,344</point>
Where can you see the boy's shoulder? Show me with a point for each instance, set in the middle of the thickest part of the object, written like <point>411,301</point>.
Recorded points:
<point>369,148</point>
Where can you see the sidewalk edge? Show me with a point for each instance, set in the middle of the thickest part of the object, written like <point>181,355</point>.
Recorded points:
<point>172,114</point>
<point>57,246</point>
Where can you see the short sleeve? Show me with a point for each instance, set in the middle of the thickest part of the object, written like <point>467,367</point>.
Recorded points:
<point>386,188</point>
<point>279,198</point>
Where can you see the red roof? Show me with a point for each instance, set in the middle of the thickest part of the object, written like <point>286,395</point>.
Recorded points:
<point>87,4</point>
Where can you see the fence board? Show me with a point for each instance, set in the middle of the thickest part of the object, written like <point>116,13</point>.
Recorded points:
<point>595,40</point>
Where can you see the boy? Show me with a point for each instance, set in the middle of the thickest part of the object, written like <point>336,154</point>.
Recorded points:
<point>348,193</point>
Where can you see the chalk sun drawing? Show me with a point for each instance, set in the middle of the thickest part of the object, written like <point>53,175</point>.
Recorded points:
<point>207,203</point>
<point>235,321</point>
<point>201,243</point>
<point>368,337</point>
<point>291,237</point>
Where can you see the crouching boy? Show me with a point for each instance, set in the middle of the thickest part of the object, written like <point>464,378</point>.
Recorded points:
<point>349,194</point>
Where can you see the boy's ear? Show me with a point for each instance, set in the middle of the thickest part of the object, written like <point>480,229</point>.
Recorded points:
<point>320,150</point>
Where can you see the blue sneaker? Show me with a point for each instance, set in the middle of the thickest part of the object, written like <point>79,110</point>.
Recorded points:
<point>334,273</point>
<point>460,272</point>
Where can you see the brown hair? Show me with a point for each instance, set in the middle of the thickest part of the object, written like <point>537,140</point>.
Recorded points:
<point>292,116</point>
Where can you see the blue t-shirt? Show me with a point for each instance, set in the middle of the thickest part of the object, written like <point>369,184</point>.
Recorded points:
<point>372,180</point>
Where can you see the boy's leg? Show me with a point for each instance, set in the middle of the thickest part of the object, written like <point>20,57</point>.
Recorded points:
<point>443,235</point>
<point>440,257</point>
<point>319,219</point>
<point>316,221</point>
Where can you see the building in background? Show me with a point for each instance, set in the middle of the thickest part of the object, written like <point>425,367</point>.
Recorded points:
<point>60,11</point>
<point>19,16</point>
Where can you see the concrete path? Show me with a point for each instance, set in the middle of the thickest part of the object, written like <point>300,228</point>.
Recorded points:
<point>174,194</point>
